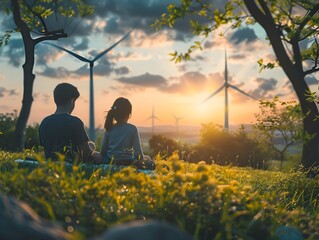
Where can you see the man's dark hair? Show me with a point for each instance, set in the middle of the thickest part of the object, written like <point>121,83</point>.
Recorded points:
<point>64,92</point>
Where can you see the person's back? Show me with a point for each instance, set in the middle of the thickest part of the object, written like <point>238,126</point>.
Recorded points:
<point>122,142</point>
<point>61,133</point>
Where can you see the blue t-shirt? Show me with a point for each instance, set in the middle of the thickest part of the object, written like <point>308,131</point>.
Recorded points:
<point>122,142</point>
<point>61,132</point>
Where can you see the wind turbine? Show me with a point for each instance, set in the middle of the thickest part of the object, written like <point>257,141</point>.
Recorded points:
<point>153,117</point>
<point>91,62</point>
<point>225,86</point>
<point>177,121</point>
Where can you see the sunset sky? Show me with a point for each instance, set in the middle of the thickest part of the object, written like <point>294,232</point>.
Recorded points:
<point>140,69</point>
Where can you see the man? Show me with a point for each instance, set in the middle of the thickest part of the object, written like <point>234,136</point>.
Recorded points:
<point>63,133</point>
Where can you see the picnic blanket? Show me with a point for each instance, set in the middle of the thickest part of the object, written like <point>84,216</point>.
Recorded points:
<point>104,167</point>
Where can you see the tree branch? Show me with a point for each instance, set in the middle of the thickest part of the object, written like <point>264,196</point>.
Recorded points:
<point>317,54</point>
<point>304,22</point>
<point>311,71</point>
<point>264,6</point>
<point>255,11</point>
<point>17,16</point>
<point>297,55</point>
<point>37,15</point>
<point>53,37</point>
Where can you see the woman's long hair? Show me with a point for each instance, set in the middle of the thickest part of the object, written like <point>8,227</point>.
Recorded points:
<point>121,109</point>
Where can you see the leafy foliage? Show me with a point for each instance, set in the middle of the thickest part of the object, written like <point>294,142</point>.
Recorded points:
<point>35,15</point>
<point>220,147</point>
<point>5,38</point>
<point>7,127</point>
<point>215,146</point>
<point>165,146</point>
<point>281,118</point>
<point>296,20</point>
<point>208,201</point>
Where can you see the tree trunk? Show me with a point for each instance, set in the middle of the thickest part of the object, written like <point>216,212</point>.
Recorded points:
<point>28,77</point>
<point>281,159</point>
<point>310,152</point>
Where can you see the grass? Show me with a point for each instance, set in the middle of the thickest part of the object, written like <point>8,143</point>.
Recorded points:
<point>208,201</point>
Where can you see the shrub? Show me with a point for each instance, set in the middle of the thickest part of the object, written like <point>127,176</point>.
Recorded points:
<point>223,148</point>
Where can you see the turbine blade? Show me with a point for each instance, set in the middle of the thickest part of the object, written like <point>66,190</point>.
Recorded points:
<point>214,93</point>
<point>83,59</point>
<point>110,48</point>
<point>237,89</point>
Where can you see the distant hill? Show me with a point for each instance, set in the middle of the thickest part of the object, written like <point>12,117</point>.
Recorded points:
<point>186,133</point>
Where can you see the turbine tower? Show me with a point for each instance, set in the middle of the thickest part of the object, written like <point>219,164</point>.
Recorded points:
<point>91,63</point>
<point>153,117</point>
<point>225,86</point>
<point>177,122</point>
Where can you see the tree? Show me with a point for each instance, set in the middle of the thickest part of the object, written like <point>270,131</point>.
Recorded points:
<point>160,144</point>
<point>279,118</point>
<point>32,20</point>
<point>223,148</point>
<point>287,23</point>
<point>8,122</point>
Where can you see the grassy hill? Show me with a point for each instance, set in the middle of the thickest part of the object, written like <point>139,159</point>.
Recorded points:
<point>208,201</point>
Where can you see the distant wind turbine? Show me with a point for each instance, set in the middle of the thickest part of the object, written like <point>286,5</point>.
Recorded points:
<point>91,62</point>
<point>153,117</point>
<point>177,122</point>
<point>226,85</point>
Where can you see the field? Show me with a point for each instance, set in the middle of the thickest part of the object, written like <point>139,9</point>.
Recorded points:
<point>208,201</point>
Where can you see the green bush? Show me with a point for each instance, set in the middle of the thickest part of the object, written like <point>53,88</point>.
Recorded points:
<point>165,146</point>
<point>7,132</point>
<point>223,148</point>
<point>7,126</point>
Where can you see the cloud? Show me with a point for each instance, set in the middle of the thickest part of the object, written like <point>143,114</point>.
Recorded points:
<point>188,83</point>
<point>265,88</point>
<point>14,52</point>
<point>237,56</point>
<point>2,91</point>
<point>8,92</point>
<point>145,80</point>
<point>182,67</point>
<point>287,85</point>
<point>58,73</point>
<point>122,70</point>
<point>5,107</point>
<point>111,19</point>
<point>83,45</point>
<point>12,92</point>
<point>246,35</point>
<point>126,56</point>
<point>46,98</point>
<point>102,67</point>
<point>311,80</point>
